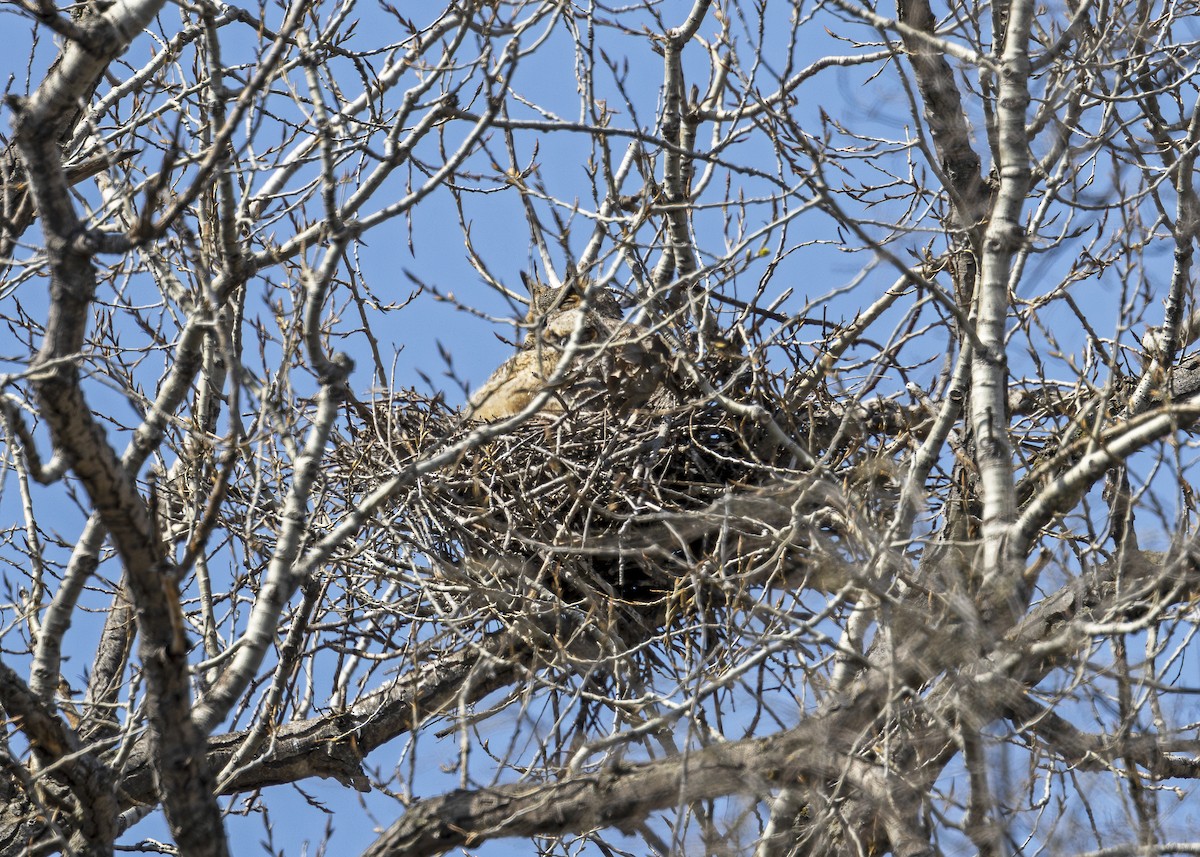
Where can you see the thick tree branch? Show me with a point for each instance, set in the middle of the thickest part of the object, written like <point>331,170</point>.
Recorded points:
<point>61,757</point>
<point>181,765</point>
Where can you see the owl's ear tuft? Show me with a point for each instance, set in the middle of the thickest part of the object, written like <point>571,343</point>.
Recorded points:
<point>543,299</point>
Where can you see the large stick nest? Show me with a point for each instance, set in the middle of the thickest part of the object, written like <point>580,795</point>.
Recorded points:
<point>595,512</point>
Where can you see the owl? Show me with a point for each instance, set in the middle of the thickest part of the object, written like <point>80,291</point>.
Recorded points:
<point>618,365</point>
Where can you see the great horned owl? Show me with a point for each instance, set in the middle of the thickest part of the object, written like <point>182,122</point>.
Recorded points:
<point>619,365</point>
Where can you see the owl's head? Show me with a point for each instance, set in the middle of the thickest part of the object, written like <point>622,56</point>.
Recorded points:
<point>548,301</point>
<point>556,313</point>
